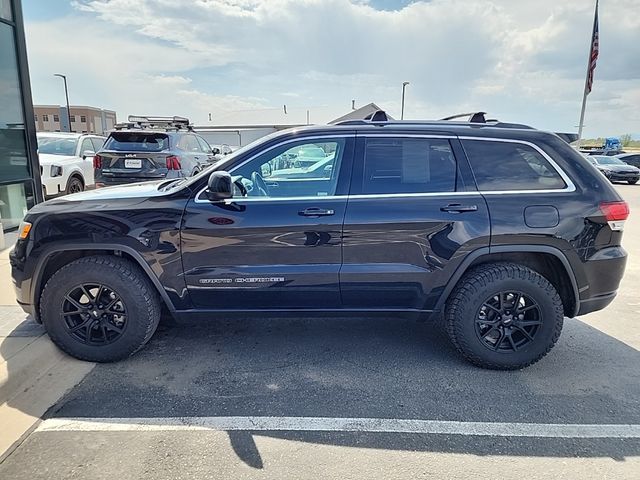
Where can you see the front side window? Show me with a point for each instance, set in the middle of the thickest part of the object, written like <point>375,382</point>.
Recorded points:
<point>289,171</point>
<point>408,165</point>
<point>501,166</point>
<point>204,146</point>
<point>86,145</point>
<point>97,143</point>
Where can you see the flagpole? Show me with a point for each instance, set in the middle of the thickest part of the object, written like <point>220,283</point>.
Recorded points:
<point>586,80</point>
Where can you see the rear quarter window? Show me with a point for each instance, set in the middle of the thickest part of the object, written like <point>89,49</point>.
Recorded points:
<point>137,142</point>
<point>500,166</point>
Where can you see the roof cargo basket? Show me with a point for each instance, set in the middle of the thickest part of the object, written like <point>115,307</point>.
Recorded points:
<point>146,122</point>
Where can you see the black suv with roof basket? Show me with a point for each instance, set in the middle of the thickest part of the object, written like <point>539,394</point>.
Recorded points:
<point>151,148</point>
<point>498,228</point>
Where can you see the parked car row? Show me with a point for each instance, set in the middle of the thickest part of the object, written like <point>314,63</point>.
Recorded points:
<point>615,168</point>
<point>143,149</point>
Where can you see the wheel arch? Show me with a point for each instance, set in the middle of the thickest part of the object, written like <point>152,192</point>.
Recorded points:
<point>55,258</point>
<point>548,261</point>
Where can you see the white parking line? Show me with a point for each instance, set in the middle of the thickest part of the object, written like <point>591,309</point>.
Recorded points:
<point>325,424</point>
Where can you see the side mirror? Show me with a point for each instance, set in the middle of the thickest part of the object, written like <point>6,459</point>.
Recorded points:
<point>88,153</point>
<point>220,186</point>
<point>215,150</point>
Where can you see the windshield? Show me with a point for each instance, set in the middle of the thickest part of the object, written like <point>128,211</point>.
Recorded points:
<point>57,145</point>
<point>137,142</point>
<point>609,161</point>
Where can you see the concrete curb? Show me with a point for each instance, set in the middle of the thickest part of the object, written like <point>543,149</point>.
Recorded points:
<point>34,375</point>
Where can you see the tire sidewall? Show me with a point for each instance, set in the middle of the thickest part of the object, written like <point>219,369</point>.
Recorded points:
<point>71,181</point>
<point>138,313</point>
<point>546,336</point>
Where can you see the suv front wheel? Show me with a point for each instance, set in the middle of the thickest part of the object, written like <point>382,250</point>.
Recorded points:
<point>504,316</point>
<point>100,308</point>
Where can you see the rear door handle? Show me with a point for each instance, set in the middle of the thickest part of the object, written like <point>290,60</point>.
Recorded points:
<point>457,208</point>
<point>316,212</point>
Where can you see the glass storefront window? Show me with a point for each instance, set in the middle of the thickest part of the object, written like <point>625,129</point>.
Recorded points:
<point>15,200</point>
<point>5,10</point>
<point>13,151</point>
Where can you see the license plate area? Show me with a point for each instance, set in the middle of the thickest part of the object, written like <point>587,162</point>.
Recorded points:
<point>132,163</point>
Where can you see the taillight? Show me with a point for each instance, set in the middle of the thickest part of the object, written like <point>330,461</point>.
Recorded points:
<point>173,163</point>
<point>615,213</point>
<point>97,161</point>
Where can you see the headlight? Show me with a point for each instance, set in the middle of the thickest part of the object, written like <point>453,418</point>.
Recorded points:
<point>23,230</point>
<point>56,171</point>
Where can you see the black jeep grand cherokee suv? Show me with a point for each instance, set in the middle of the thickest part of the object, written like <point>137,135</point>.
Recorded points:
<point>502,229</point>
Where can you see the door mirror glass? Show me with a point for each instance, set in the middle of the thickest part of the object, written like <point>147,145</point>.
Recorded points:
<point>88,153</point>
<point>220,186</point>
<point>266,169</point>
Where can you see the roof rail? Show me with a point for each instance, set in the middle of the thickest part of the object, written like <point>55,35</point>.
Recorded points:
<point>379,118</point>
<point>473,117</point>
<point>146,122</point>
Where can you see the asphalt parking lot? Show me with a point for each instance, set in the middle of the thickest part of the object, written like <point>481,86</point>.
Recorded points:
<point>268,399</point>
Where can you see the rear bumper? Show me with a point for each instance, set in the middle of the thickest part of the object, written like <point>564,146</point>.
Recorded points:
<point>603,272</point>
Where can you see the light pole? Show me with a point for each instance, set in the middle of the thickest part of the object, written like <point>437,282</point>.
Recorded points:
<point>404,86</point>
<point>66,94</point>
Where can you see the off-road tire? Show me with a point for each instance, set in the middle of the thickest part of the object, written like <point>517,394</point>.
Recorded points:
<point>119,274</point>
<point>472,291</point>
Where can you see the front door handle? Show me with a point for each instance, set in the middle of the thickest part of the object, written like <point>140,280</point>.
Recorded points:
<point>457,208</point>
<point>316,212</point>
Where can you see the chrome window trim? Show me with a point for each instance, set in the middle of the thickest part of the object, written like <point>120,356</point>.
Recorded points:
<point>570,187</point>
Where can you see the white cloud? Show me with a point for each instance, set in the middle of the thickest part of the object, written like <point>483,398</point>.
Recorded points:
<point>521,60</point>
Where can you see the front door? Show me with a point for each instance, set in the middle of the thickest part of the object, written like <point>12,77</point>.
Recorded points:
<point>278,246</point>
<point>413,215</point>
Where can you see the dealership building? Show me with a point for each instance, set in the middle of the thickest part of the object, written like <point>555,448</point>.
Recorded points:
<point>20,186</point>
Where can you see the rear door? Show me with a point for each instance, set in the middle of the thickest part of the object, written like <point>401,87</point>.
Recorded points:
<point>413,215</point>
<point>135,156</point>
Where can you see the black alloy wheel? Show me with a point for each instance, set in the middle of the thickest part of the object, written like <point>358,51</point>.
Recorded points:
<point>508,321</point>
<point>94,314</point>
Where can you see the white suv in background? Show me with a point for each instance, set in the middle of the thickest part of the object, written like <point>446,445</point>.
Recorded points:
<point>66,161</point>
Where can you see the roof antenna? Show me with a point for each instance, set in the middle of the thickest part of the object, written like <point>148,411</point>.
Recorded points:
<point>353,104</point>
<point>285,109</point>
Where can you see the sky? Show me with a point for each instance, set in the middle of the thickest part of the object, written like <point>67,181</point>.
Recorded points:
<point>240,61</point>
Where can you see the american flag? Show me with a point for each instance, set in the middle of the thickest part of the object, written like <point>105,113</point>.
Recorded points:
<point>593,55</point>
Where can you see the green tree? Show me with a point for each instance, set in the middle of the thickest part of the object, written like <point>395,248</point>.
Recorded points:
<point>625,139</point>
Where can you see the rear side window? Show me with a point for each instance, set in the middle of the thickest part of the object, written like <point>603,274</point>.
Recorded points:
<point>408,165</point>
<point>499,166</point>
<point>97,143</point>
<point>137,142</point>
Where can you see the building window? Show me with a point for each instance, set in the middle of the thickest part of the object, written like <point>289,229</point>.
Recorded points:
<point>35,117</point>
<point>73,118</point>
<point>83,119</point>
<point>45,118</point>
<point>56,118</point>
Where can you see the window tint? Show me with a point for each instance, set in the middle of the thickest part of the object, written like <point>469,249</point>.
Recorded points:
<point>287,171</point>
<point>189,143</point>
<point>137,142</point>
<point>86,145</point>
<point>510,166</point>
<point>204,146</point>
<point>97,143</point>
<point>408,165</point>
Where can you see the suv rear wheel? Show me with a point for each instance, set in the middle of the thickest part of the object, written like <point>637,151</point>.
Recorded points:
<point>504,316</point>
<point>100,308</point>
